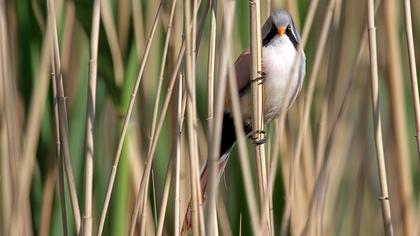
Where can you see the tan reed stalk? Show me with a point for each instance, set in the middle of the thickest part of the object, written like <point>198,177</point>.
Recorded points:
<point>90,118</point>
<point>398,114</point>
<point>257,103</point>
<point>180,120</point>
<point>153,136</point>
<point>210,120</point>
<point>339,118</point>
<point>137,13</point>
<point>174,163</point>
<point>31,135</point>
<point>165,196</point>
<point>62,110</point>
<point>8,129</point>
<point>48,199</point>
<point>386,209</point>
<point>243,151</point>
<point>222,215</point>
<point>216,131</point>
<point>210,68</point>
<point>67,36</point>
<point>159,127</point>
<point>112,36</point>
<point>413,72</point>
<point>279,130</point>
<point>126,121</point>
<point>123,24</point>
<point>59,155</point>
<point>192,117</point>
<point>308,102</point>
<point>159,89</point>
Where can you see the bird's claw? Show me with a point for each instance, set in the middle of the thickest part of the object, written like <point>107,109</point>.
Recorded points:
<point>261,77</point>
<point>259,141</point>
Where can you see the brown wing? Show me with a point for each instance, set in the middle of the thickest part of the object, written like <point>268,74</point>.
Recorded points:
<point>242,70</point>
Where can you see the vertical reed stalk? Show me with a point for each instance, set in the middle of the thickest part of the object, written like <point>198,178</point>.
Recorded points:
<point>386,209</point>
<point>90,119</point>
<point>258,109</point>
<point>210,68</point>
<point>243,152</point>
<point>180,119</point>
<point>398,114</point>
<point>413,73</point>
<point>192,118</point>
<point>62,111</point>
<point>216,131</point>
<point>127,119</point>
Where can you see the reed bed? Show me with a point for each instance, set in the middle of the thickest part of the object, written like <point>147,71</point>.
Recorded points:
<point>109,108</point>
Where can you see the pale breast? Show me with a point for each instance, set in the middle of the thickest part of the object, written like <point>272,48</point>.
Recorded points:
<point>278,59</point>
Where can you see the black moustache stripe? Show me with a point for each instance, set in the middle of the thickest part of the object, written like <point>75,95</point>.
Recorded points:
<point>292,37</point>
<point>270,35</point>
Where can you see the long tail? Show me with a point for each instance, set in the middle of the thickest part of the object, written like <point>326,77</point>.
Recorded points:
<point>228,139</point>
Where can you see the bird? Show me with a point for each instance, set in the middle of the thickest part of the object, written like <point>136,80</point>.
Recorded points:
<point>280,45</point>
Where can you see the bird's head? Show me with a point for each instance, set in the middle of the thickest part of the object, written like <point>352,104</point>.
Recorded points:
<point>280,23</point>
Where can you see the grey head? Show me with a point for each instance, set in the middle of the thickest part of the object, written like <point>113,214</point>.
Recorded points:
<point>278,23</point>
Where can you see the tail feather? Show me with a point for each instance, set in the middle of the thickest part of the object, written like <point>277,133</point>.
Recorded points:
<point>228,140</point>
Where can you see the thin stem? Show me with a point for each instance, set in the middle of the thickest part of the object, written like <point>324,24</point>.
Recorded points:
<point>257,103</point>
<point>386,209</point>
<point>90,119</point>
<point>295,163</point>
<point>413,73</point>
<point>127,119</point>
<point>62,111</point>
<point>180,120</point>
<point>216,131</point>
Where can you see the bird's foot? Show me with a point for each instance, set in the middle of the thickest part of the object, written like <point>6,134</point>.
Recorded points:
<point>260,78</point>
<point>258,141</point>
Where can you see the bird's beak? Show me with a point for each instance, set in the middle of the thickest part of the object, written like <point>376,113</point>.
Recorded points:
<point>281,30</point>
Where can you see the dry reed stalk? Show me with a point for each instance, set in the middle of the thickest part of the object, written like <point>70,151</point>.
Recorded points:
<point>48,199</point>
<point>243,152</point>
<point>210,68</point>
<point>398,115</point>
<point>413,72</point>
<point>67,36</point>
<point>308,103</point>
<point>276,150</point>
<point>165,195</point>
<point>210,119</point>
<point>159,127</point>
<point>215,132</point>
<point>112,36</point>
<point>90,118</point>
<point>189,37</point>
<point>180,120</point>
<point>222,214</point>
<point>62,112</point>
<point>123,24</point>
<point>340,115</point>
<point>126,121</point>
<point>137,12</point>
<point>137,166</point>
<point>386,209</point>
<point>159,89</point>
<point>156,132</point>
<point>59,155</point>
<point>257,103</point>
<point>10,147</point>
